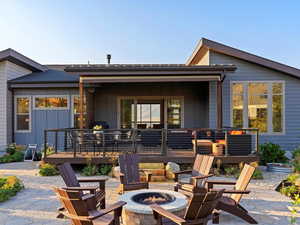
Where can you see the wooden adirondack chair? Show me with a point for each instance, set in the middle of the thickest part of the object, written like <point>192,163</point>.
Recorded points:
<point>73,183</point>
<point>231,204</point>
<point>130,174</point>
<point>82,209</point>
<point>200,172</point>
<point>198,212</point>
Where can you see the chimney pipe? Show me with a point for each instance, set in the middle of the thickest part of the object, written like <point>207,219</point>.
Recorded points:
<point>108,56</point>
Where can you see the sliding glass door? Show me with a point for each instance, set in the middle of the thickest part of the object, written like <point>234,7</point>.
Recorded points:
<point>147,113</point>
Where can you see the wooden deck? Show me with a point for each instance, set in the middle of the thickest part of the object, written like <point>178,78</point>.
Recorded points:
<point>172,156</point>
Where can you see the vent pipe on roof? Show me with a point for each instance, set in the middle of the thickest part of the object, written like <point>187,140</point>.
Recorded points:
<point>108,56</point>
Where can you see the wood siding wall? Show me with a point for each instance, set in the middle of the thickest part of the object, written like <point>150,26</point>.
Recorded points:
<point>251,72</point>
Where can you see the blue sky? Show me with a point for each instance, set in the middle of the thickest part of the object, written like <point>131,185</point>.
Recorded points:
<point>136,31</point>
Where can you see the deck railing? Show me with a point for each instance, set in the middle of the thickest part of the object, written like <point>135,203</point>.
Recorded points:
<point>105,143</point>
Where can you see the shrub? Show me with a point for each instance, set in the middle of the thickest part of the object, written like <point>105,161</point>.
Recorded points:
<point>292,178</point>
<point>272,153</point>
<point>9,186</point>
<point>296,153</point>
<point>48,170</point>
<point>11,149</point>
<point>232,171</point>
<point>15,157</point>
<point>105,169</point>
<point>90,170</point>
<point>289,191</point>
<point>296,164</point>
<point>257,175</point>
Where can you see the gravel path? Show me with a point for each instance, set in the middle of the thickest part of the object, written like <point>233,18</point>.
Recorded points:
<point>37,203</point>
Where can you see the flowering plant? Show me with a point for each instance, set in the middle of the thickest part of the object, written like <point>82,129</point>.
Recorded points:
<point>97,127</point>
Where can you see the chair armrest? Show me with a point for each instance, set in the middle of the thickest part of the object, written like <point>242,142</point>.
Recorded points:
<point>91,189</point>
<point>87,197</point>
<point>71,216</point>
<point>114,207</point>
<point>161,211</point>
<point>211,183</point>
<point>236,191</point>
<point>202,177</point>
<point>91,180</point>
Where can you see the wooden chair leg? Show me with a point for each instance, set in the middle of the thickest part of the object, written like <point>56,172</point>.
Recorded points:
<point>239,213</point>
<point>216,218</point>
<point>241,207</point>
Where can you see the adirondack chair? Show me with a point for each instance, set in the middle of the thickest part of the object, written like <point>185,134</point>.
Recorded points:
<point>82,209</point>
<point>231,204</point>
<point>73,183</point>
<point>199,211</point>
<point>200,173</point>
<point>130,174</point>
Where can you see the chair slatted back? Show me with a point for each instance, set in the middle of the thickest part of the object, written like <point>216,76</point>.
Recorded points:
<point>202,204</point>
<point>129,166</point>
<point>74,205</point>
<point>243,181</point>
<point>202,165</point>
<point>68,175</point>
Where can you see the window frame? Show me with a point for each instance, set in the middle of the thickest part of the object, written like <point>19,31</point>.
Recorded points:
<point>51,96</point>
<point>16,114</point>
<point>136,98</point>
<point>72,110</point>
<point>270,102</point>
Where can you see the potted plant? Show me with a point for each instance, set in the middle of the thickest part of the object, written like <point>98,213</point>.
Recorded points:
<point>97,129</point>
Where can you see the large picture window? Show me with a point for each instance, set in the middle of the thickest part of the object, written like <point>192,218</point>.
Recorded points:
<point>22,114</point>
<point>258,105</point>
<point>51,102</point>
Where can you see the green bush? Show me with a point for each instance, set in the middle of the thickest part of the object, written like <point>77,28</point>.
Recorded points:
<point>9,186</point>
<point>257,175</point>
<point>289,191</point>
<point>11,149</point>
<point>48,170</point>
<point>15,157</point>
<point>272,153</point>
<point>292,177</point>
<point>90,170</point>
<point>296,164</point>
<point>232,171</point>
<point>105,169</point>
<point>296,153</point>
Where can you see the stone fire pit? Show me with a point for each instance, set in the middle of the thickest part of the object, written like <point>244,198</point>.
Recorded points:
<point>137,211</point>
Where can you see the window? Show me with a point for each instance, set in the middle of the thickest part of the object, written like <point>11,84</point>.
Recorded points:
<point>22,114</point>
<point>150,112</point>
<point>76,112</point>
<point>51,102</point>
<point>258,105</point>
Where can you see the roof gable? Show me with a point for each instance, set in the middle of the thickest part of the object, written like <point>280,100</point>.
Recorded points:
<point>205,45</point>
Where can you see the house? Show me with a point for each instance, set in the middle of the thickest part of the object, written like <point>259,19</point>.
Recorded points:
<point>219,86</point>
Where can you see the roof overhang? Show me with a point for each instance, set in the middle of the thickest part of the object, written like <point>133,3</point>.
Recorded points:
<point>43,85</point>
<point>21,60</point>
<point>205,45</point>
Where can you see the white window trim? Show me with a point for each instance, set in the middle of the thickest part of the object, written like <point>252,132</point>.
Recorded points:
<point>51,96</point>
<point>270,112</point>
<point>135,98</point>
<point>15,113</point>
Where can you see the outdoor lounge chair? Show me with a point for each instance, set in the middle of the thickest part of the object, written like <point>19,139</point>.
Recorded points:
<point>82,209</point>
<point>73,183</point>
<point>130,174</point>
<point>199,211</point>
<point>199,173</point>
<point>231,204</point>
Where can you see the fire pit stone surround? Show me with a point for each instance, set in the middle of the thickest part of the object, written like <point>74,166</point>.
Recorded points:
<point>137,212</point>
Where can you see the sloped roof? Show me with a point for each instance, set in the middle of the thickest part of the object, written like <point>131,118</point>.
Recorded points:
<point>48,76</point>
<point>205,44</point>
<point>21,60</point>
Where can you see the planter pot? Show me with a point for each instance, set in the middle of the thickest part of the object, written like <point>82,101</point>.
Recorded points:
<point>97,132</point>
<point>279,168</point>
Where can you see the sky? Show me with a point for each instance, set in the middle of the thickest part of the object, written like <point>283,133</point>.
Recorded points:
<point>144,31</point>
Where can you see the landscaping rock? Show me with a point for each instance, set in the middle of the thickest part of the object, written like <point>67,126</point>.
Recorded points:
<point>172,167</point>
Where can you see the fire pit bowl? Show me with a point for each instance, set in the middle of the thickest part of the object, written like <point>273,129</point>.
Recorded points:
<point>137,211</point>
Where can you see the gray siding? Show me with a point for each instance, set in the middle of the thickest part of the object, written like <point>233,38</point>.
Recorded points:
<point>45,119</point>
<point>195,101</point>
<point>247,71</point>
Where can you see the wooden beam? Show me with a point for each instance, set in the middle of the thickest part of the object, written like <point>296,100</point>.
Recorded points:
<point>219,105</point>
<point>81,110</point>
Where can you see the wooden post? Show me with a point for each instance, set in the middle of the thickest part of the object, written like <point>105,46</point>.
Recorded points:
<point>219,105</point>
<point>81,110</point>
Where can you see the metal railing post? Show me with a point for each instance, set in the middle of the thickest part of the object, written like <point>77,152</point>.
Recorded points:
<point>55,141</point>
<point>45,144</point>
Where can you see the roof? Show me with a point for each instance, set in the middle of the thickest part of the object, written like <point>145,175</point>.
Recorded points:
<point>48,76</point>
<point>130,68</point>
<point>21,60</point>
<point>205,44</point>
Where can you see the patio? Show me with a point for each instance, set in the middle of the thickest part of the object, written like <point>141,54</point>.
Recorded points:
<point>37,203</point>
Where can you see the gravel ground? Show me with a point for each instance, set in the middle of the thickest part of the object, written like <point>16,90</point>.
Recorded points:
<point>37,203</point>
